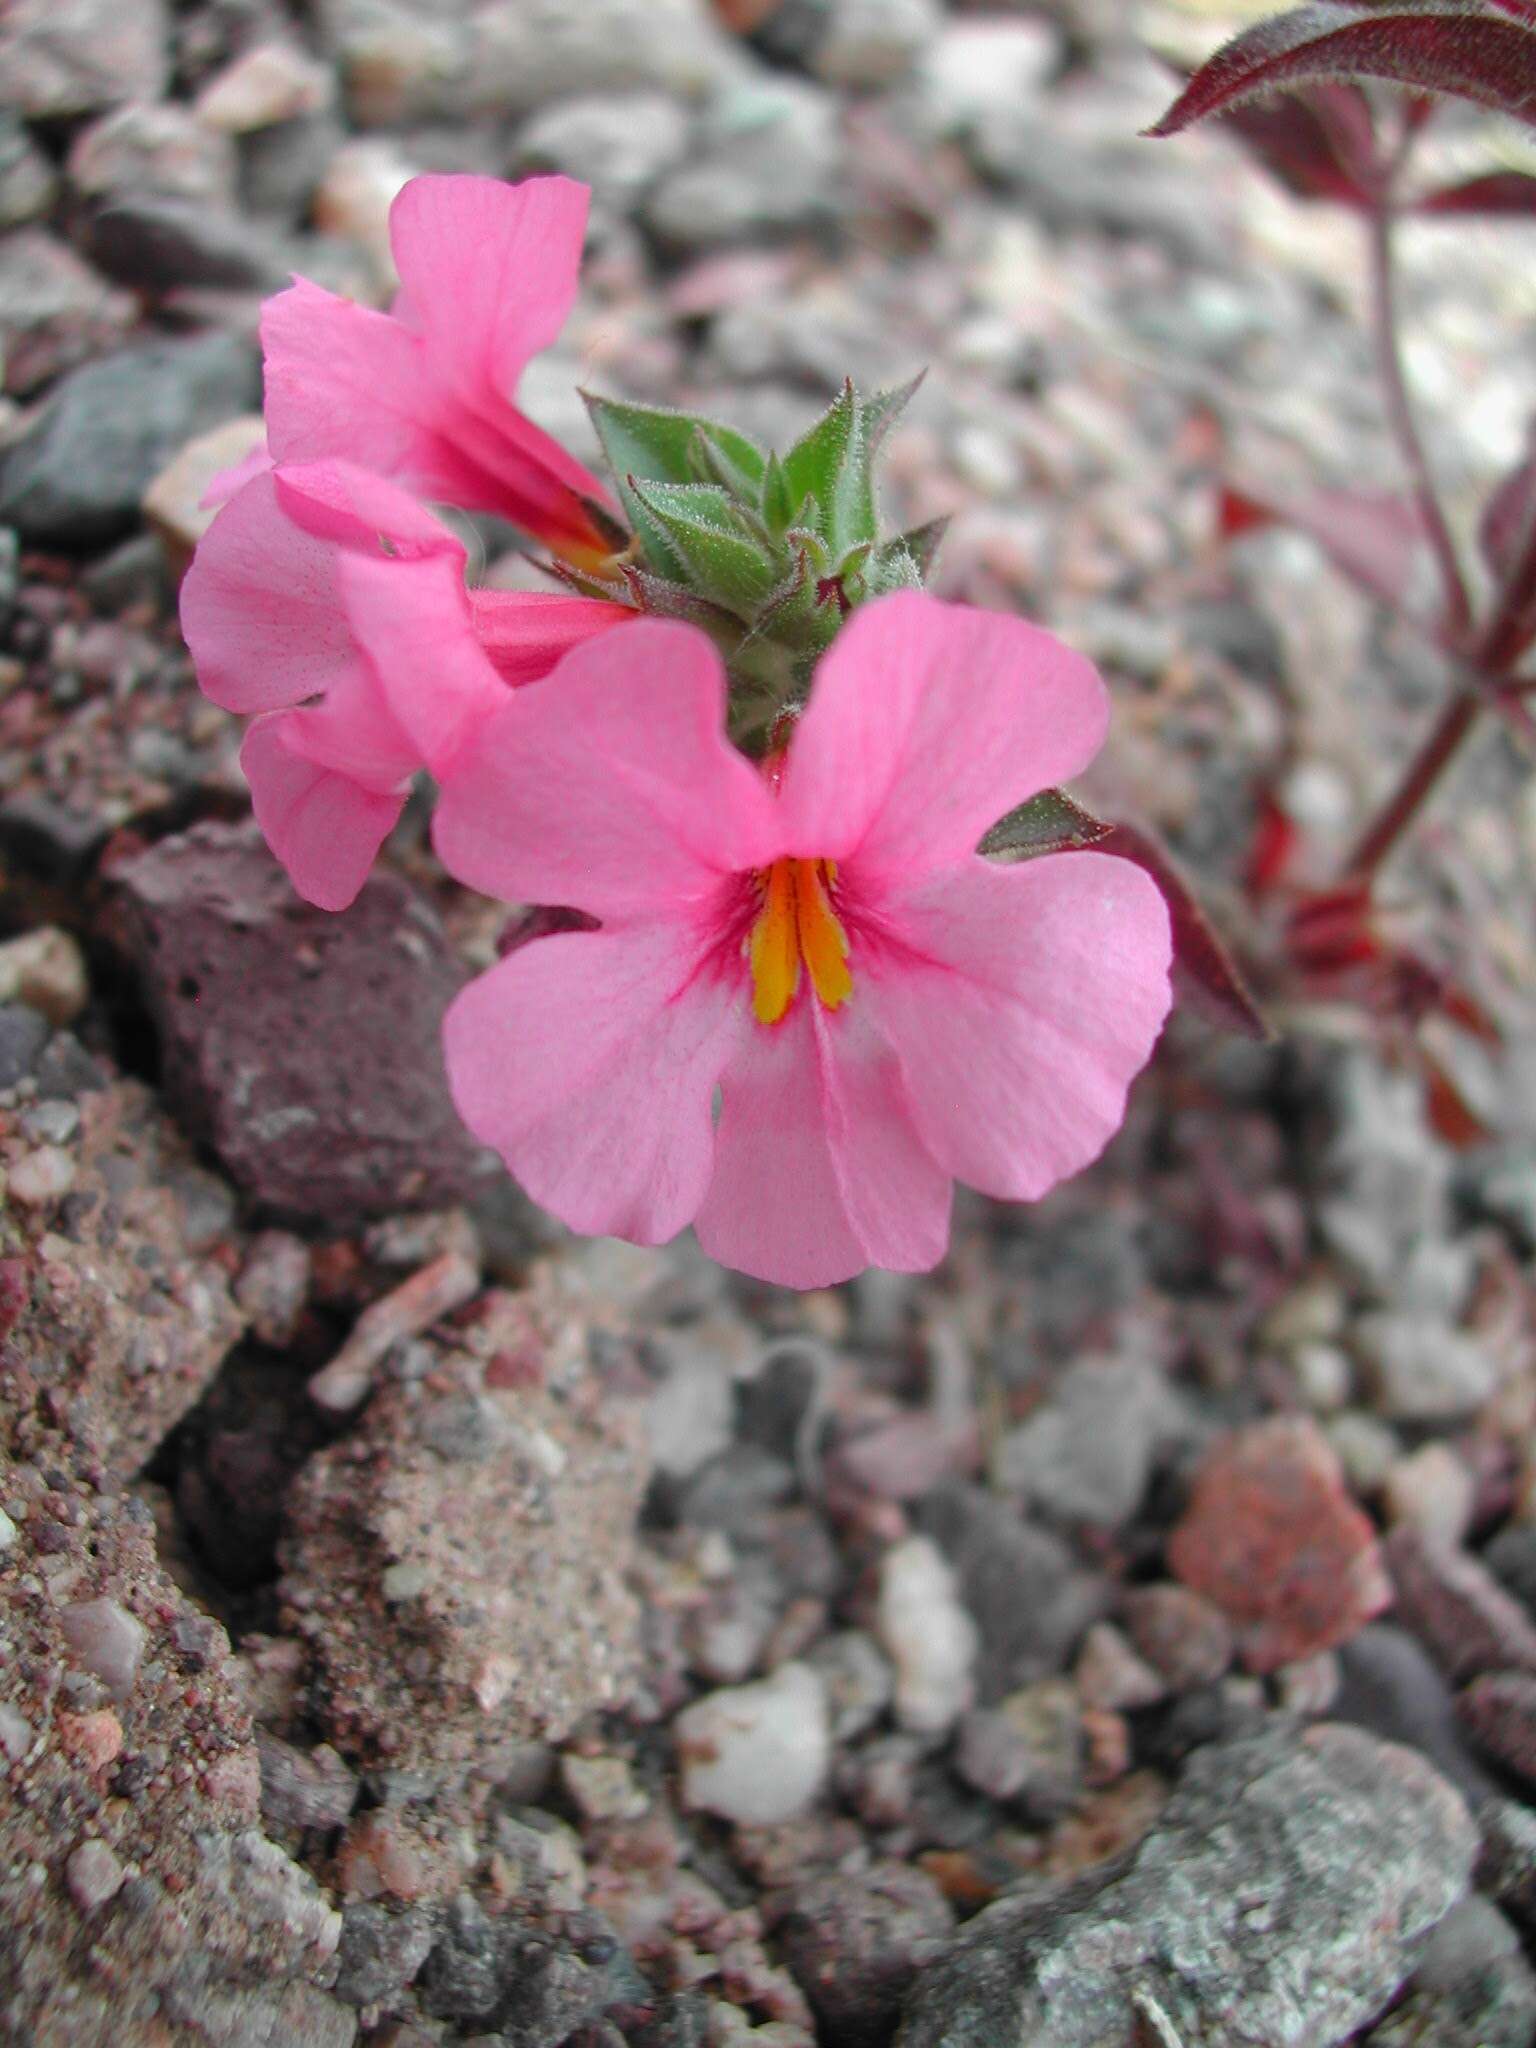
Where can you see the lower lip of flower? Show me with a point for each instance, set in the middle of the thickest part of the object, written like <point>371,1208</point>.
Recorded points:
<point>797,924</point>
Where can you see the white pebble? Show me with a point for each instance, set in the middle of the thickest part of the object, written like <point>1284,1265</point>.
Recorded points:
<point>93,1875</point>
<point>107,1640</point>
<point>15,1733</point>
<point>928,1636</point>
<point>1432,1490</point>
<point>43,1176</point>
<point>7,1531</point>
<point>757,1753</point>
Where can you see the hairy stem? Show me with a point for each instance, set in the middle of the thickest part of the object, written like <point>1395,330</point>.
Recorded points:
<point>1402,807</point>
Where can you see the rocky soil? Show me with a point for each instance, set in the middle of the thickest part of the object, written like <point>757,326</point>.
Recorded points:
<point>418,1627</point>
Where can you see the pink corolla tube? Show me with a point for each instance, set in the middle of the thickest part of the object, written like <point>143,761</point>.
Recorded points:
<point>332,607</point>
<point>810,1005</point>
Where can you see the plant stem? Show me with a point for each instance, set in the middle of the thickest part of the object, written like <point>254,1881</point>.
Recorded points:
<point>1400,415</point>
<point>1433,758</point>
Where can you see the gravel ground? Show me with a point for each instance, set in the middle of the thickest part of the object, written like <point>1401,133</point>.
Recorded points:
<point>420,1627</point>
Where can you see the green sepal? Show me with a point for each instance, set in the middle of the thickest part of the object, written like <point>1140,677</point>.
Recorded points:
<point>702,527</point>
<point>922,543</point>
<point>661,598</point>
<point>881,412</point>
<point>657,444</point>
<point>1049,823</point>
<point>831,463</point>
<point>778,507</point>
<point>714,462</point>
<point>609,589</point>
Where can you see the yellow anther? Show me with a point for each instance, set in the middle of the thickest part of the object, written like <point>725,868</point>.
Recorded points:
<point>797,922</point>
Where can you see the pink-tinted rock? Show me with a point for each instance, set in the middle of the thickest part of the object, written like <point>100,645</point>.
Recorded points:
<point>1273,1538</point>
<point>456,1563</point>
<point>1499,1711</point>
<point>1456,1607</point>
<point>303,1045</point>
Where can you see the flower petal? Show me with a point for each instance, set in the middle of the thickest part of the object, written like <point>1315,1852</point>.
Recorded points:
<point>488,272</point>
<point>819,1171</point>
<point>610,786</point>
<point>588,1060</point>
<point>425,393</point>
<point>928,722</point>
<point>1022,1001</point>
<point>413,621</point>
<point>325,828</point>
<point>261,608</point>
<point>525,632</point>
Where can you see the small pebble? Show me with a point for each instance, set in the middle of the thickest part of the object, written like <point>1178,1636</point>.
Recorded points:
<point>759,1753</point>
<point>15,1733</point>
<point>93,1875</point>
<point>7,1531</point>
<point>603,1787</point>
<point>106,1640</point>
<point>1434,1490</point>
<point>45,969</point>
<point>1111,1675</point>
<point>927,1634</point>
<point>42,1177</point>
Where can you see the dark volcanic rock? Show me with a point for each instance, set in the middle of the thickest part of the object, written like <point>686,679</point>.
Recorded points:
<point>75,478</point>
<point>1281,1897</point>
<point>855,1943</point>
<point>303,1045</point>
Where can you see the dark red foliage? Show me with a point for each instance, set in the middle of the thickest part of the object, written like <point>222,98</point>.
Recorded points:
<point>1496,192</point>
<point>1487,56</point>
<point>1205,974</point>
<point>1320,143</point>
<point>1376,538</point>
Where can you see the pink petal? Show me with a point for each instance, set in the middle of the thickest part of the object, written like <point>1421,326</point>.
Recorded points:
<point>423,397</point>
<point>488,272</point>
<point>413,621</point>
<point>1022,1000</point>
<point>588,1060</point>
<point>344,380</point>
<point>524,633</point>
<point>354,731</point>
<point>261,608</point>
<point>225,482</point>
<point>324,828</point>
<point>818,1169</point>
<point>610,786</point>
<point>928,722</point>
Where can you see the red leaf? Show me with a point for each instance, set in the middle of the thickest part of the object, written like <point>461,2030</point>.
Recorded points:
<point>1430,45</point>
<point>1320,144</point>
<point>1331,932</point>
<point>1376,538</point>
<point>1498,192</point>
<point>1205,974</point>
<point>1506,538</point>
<point>1507,517</point>
<point>1237,514</point>
<point>1272,848</point>
<point>1451,1116</point>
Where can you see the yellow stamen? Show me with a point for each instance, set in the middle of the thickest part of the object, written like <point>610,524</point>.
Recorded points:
<point>797,922</point>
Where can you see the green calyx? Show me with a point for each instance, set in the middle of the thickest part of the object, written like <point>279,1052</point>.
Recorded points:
<point>767,553</point>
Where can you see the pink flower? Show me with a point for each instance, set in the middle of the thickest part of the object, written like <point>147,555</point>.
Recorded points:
<point>331,605</point>
<point>424,392</point>
<point>880,1010</point>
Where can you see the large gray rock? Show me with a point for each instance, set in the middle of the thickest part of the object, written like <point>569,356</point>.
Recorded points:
<point>408,59</point>
<point>71,56</point>
<point>768,159</point>
<point>1281,1900</point>
<point>74,479</point>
